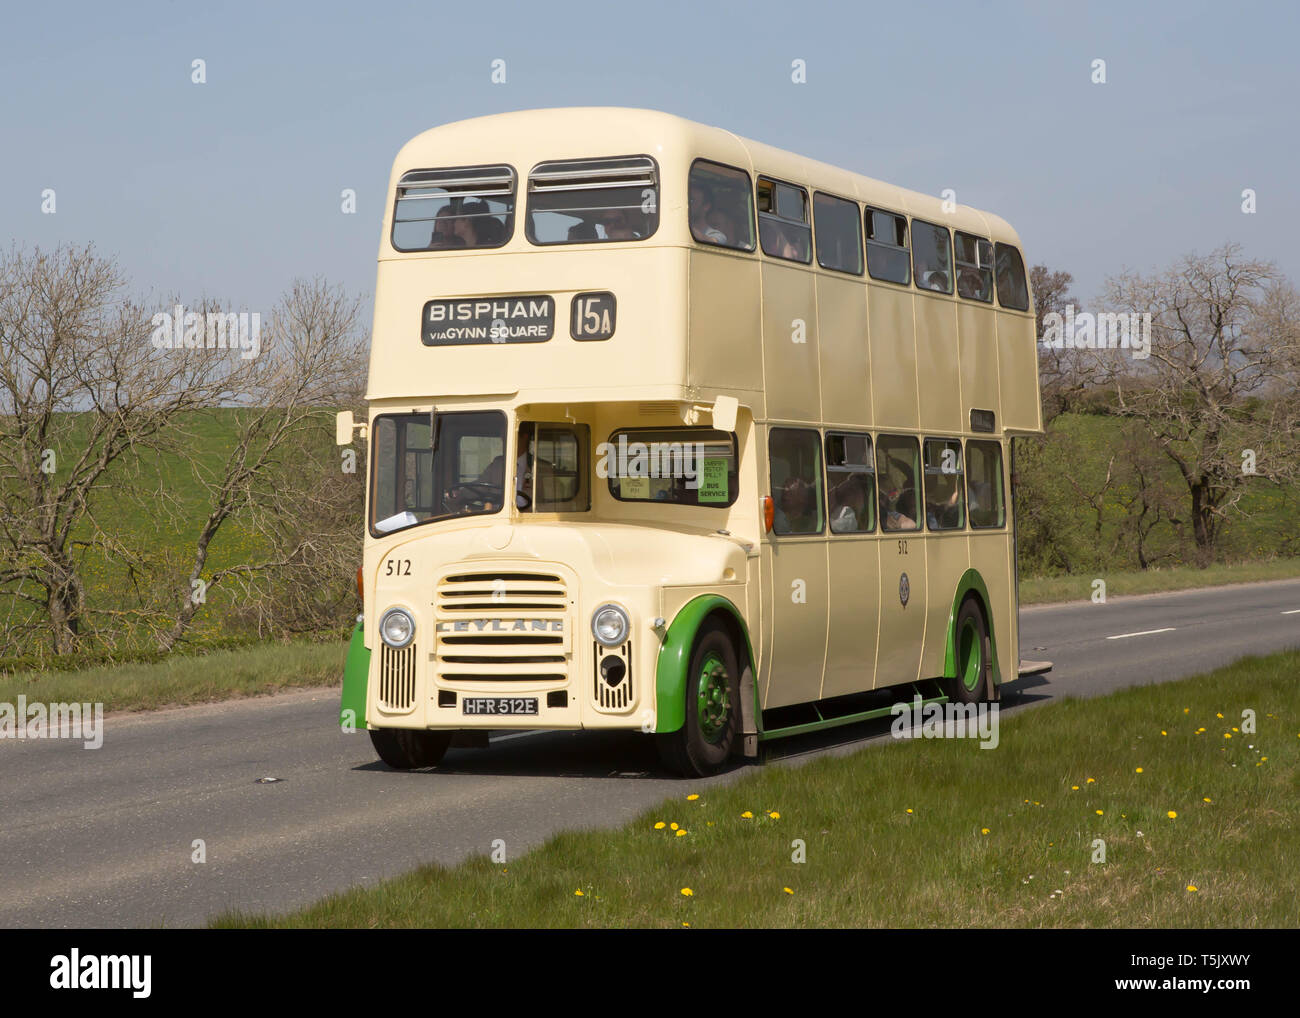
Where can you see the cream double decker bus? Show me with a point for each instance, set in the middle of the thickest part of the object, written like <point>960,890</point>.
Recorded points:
<point>674,432</point>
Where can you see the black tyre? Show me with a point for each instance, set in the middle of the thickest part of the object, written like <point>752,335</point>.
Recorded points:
<point>712,726</point>
<point>406,749</point>
<point>972,657</point>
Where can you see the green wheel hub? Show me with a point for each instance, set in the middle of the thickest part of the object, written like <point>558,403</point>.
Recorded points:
<point>969,653</point>
<point>714,700</point>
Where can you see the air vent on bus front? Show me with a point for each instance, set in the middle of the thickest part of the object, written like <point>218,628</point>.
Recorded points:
<point>397,678</point>
<point>503,627</point>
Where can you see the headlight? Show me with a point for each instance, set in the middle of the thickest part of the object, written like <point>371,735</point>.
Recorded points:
<point>609,624</point>
<point>397,627</point>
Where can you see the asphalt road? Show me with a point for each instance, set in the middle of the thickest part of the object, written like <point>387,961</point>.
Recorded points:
<point>105,838</point>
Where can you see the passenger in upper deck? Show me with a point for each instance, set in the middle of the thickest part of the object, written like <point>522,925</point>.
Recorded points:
<point>444,228</point>
<point>702,214</point>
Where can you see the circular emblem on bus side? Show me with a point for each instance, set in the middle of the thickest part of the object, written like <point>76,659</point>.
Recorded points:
<point>904,589</point>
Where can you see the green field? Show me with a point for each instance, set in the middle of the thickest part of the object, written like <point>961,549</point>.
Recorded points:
<point>1200,822</point>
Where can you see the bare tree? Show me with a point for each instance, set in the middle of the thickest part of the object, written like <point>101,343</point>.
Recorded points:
<point>82,393</point>
<point>1065,375</point>
<point>1220,394</point>
<point>309,362</point>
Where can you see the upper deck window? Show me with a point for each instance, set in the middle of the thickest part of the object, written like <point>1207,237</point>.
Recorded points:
<point>590,201</point>
<point>783,221</point>
<point>464,207</point>
<point>721,206</point>
<point>1013,292</point>
<point>887,254</point>
<point>839,234</point>
<point>931,256</point>
<point>974,267</point>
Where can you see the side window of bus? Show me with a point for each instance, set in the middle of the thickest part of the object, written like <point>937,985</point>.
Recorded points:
<point>551,468</point>
<point>945,495</point>
<point>896,479</point>
<point>974,267</point>
<point>794,457</point>
<point>984,484</point>
<point>1013,292</point>
<point>839,234</point>
<point>592,201</point>
<point>783,221</point>
<point>721,206</point>
<point>467,207</point>
<point>931,257</point>
<point>677,466</point>
<point>850,483</point>
<point>887,254</point>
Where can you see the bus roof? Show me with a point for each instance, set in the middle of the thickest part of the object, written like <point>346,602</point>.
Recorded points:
<point>600,131</point>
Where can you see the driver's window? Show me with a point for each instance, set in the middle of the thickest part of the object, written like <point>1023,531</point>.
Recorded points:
<point>551,468</point>
<point>896,471</point>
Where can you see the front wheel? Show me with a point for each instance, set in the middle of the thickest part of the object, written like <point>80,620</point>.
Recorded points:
<point>972,658</point>
<point>405,749</point>
<point>703,743</point>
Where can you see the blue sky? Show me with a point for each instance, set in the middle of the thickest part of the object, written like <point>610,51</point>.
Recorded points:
<point>230,189</point>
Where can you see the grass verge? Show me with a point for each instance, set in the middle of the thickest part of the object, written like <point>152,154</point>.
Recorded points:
<point>1200,823</point>
<point>1054,589</point>
<point>185,678</point>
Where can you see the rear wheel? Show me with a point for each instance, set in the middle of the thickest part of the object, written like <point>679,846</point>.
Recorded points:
<point>703,743</point>
<point>406,749</point>
<point>973,655</point>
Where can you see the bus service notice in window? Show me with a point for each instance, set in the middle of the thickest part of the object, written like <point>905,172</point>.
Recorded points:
<point>498,320</point>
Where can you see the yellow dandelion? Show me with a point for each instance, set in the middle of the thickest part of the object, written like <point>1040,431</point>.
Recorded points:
<point>787,890</point>
<point>1074,788</point>
<point>747,815</point>
<point>1262,759</point>
<point>1227,735</point>
<point>687,892</point>
<point>1219,716</point>
<point>680,833</point>
<point>686,924</point>
<point>1100,813</point>
<point>673,825</point>
<point>1091,781</point>
<point>1192,888</point>
<point>1236,729</point>
<point>909,810</point>
<point>578,893</point>
<point>709,822</point>
<point>692,797</point>
<point>1199,731</point>
<point>1172,815</point>
<point>775,815</point>
<point>1137,770</point>
<point>660,826</point>
<point>1163,732</point>
<point>1186,709</point>
<point>1206,799</point>
<point>984,830</point>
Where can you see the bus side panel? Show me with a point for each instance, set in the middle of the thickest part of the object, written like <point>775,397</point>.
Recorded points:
<point>947,559</point>
<point>724,345</point>
<point>854,565</point>
<point>790,364</point>
<point>1018,369</point>
<point>893,358</point>
<point>937,364</point>
<point>977,339</point>
<point>845,364</point>
<point>902,625</point>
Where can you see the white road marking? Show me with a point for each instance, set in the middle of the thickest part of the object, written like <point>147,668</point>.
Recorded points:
<point>1293,611</point>
<point>1145,632</point>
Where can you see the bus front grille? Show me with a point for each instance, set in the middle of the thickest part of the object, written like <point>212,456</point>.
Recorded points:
<point>397,678</point>
<point>503,626</point>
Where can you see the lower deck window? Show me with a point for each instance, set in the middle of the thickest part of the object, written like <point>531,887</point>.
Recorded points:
<point>682,466</point>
